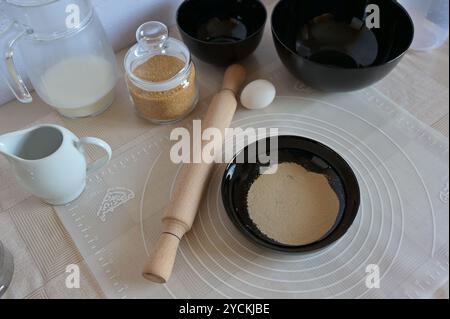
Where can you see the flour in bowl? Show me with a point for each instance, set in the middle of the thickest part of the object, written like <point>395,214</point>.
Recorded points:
<point>293,206</point>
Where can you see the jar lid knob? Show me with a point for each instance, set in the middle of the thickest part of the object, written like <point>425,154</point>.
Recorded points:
<point>151,35</point>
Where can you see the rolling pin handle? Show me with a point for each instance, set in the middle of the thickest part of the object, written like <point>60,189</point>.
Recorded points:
<point>159,268</point>
<point>234,78</point>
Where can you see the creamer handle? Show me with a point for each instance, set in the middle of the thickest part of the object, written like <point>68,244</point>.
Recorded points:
<point>102,144</point>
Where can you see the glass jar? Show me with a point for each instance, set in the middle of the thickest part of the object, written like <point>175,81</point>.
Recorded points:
<point>66,55</point>
<point>160,75</point>
<point>431,22</point>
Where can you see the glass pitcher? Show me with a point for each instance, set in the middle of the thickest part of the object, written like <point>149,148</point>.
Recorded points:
<point>65,51</point>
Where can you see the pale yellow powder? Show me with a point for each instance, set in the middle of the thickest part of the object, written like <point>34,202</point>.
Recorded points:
<point>293,206</point>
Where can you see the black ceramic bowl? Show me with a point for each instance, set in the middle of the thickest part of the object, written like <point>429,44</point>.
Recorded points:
<point>316,43</point>
<point>221,32</point>
<point>312,155</point>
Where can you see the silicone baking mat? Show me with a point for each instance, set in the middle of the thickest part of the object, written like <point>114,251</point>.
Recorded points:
<point>400,234</point>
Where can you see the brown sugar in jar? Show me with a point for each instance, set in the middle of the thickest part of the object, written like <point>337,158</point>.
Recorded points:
<point>167,105</point>
<point>163,88</point>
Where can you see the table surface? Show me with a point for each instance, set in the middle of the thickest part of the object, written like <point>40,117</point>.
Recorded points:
<point>41,246</point>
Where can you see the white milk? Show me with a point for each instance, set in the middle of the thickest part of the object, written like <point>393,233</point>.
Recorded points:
<point>79,86</point>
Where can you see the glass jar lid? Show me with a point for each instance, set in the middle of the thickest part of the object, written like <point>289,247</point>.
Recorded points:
<point>153,40</point>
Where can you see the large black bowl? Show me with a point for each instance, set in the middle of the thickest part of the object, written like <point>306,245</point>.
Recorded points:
<point>312,155</point>
<point>327,69</point>
<point>221,32</point>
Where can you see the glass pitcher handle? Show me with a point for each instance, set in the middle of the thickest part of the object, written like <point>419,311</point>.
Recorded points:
<point>13,79</point>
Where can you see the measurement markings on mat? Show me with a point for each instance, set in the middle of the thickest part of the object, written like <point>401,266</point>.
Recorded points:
<point>105,261</point>
<point>82,218</point>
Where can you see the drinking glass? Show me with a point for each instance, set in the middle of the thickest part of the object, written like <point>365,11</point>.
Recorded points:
<point>6,269</point>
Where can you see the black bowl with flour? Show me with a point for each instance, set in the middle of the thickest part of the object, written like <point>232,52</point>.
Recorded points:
<point>315,157</point>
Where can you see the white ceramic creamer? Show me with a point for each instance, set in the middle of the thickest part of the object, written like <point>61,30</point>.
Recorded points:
<point>49,162</point>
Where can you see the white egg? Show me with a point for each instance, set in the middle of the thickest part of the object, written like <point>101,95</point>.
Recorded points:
<point>258,94</point>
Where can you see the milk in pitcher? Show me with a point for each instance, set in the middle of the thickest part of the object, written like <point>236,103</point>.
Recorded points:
<point>79,86</point>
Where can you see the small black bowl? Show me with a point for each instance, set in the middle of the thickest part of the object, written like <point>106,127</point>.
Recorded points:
<point>221,32</point>
<point>312,155</point>
<point>317,45</point>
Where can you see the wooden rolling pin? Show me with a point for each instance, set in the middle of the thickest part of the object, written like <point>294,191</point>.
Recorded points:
<point>181,211</point>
